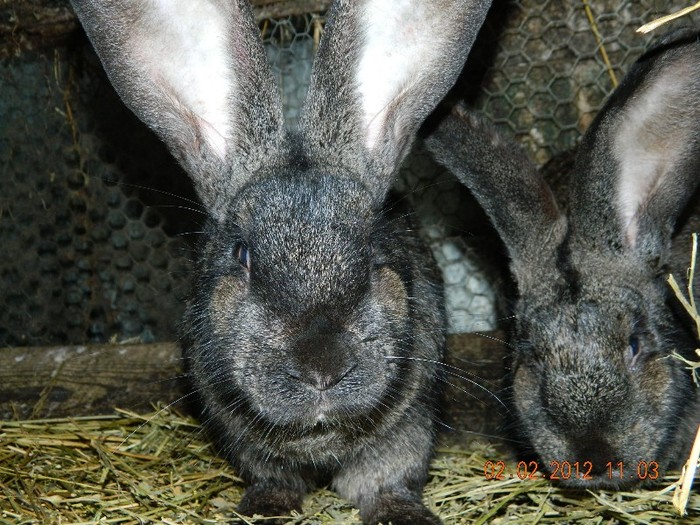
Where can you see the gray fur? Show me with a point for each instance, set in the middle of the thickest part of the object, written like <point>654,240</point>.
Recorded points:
<point>316,326</point>
<point>592,377</point>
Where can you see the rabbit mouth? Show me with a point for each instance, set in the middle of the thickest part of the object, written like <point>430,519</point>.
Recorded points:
<point>588,461</point>
<point>322,418</point>
<point>304,406</point>
<point>327,410</point>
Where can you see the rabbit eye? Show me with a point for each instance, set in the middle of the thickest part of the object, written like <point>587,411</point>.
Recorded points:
<point>633,347</point>
<point>243,255</point>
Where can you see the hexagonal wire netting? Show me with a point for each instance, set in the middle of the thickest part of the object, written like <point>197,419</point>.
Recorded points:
<point>95,218</point>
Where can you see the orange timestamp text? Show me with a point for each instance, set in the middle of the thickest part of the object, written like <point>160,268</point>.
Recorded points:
<point>566,470</point>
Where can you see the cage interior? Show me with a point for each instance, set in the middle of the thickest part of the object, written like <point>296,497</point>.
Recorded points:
<point>98,223</point>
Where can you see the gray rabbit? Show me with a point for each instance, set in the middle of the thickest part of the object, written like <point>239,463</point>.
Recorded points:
<point>597,397</point>
<point>315,329</point>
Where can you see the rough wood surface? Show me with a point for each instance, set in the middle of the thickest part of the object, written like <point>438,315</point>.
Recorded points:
<point>84,380</point>
<point>33,25</point>
<point>87,380</point>
<point>283,8</point>
<point>28,25</point>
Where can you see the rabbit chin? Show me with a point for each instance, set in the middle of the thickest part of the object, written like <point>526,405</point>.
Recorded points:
<point>614,475</point>
<point>629,456</point>
<point>323,409</point>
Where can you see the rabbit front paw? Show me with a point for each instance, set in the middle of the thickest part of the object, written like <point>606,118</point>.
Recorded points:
<point>273,501</point>
<point>398,510</point>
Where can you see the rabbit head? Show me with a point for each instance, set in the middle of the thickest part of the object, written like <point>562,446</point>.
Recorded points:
<point>594,386</point>
<point>316,321</point>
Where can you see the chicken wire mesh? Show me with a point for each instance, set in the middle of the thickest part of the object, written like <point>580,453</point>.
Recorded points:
<point>96,220</point>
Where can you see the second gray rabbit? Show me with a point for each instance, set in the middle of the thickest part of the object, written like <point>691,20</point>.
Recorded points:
<point>593,381</point>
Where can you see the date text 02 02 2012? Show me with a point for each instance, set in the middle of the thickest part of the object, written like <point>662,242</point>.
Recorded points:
<point>565,470</point>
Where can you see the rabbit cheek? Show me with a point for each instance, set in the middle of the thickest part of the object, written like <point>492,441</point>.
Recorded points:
<point>390,290</point>
<point>230,290</point>
<point>658,388</point>
<point>390,294</point>
<point>526,387</point>
<point>390,286</point>
<point>230,312</point>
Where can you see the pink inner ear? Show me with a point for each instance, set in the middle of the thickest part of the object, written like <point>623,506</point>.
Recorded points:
<point>647,143</point>
<point>402,43</point>
<point>188,63</point>
<point>637,186</point>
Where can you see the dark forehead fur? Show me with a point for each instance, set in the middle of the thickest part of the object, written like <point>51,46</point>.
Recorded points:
<point>577,274</point>
<point>308,233</point>
<point>594,294</point>
<point>313,196</point>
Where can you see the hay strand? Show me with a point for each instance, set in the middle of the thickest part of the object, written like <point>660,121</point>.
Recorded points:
<point>685,482</point>
<point>682,492</point>
<point>651,26</point>
<point>599,41</point>
<point>689,301</point>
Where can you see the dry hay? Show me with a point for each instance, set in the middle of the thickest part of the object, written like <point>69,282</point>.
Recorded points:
<point>651,26</point>
<point>159,468</point>
<point>687,300</point>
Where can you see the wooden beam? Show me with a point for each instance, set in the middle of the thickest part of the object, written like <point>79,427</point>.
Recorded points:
<point>86,380</point>
<point>28,25</point>
<point>284,8</point>
<point>83,380</point>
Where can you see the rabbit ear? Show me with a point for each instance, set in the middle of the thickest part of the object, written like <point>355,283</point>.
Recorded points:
<point>196,73</point>
<point>639,163</point>
<point>381,68</point>
<point>508,187</point>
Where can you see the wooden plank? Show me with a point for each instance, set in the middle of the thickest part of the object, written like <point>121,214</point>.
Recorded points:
<point>86,380</point>
<point>28,25</point>
<point>284,8</point>
<point>83,380</point>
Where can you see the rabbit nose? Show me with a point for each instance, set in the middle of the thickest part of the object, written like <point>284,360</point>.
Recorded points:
<point>320,377</point>
<point>320,380</point>
<point>320,325</point>
<point>320,357</point>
